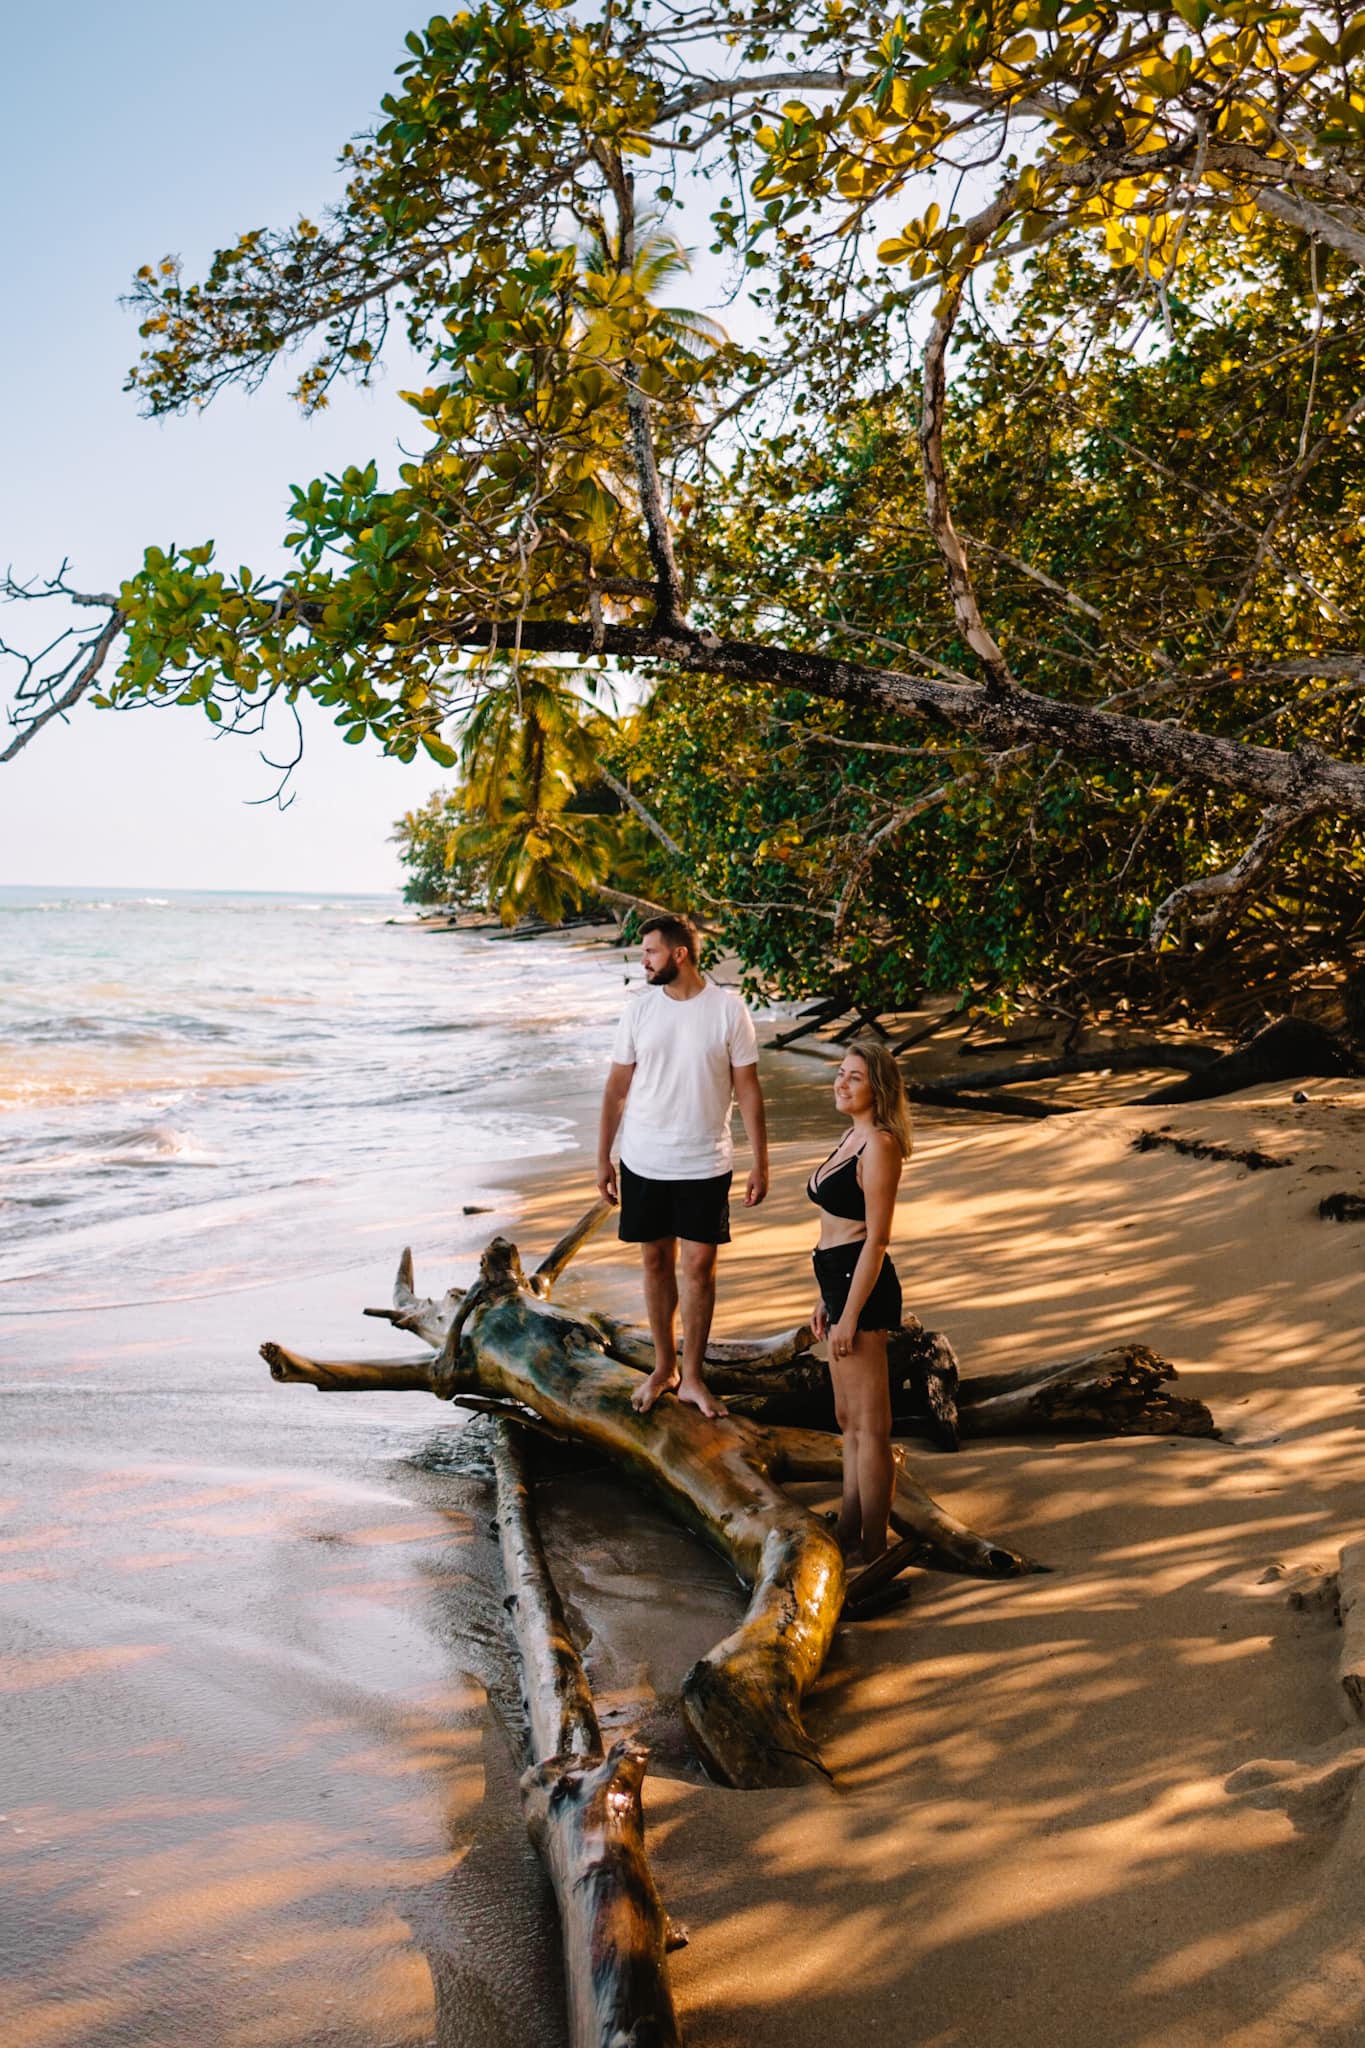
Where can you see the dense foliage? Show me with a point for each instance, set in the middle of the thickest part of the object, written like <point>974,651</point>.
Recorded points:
<point>992,586</point>
<point>920,867</point>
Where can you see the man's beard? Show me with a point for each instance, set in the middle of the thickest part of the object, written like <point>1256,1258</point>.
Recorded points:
<point>659,977</point>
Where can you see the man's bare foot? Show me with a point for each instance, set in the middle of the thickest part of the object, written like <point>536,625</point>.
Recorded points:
<point>700,1396</point>
<point>661,1381</point>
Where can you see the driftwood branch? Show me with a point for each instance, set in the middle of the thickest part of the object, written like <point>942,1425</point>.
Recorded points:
<point>502,1344</point>
<point>582,1806</point>
<point>1114,1059</point>
<point>568,1247</point>
<point>992,1103</point>
<point>1120,1391</point>
<point>1286,1049</point>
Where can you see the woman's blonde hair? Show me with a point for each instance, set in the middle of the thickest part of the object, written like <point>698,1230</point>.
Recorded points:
<point>890,1110</point>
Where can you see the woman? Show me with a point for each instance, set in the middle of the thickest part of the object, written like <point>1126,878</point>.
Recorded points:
<point>860,1295</point>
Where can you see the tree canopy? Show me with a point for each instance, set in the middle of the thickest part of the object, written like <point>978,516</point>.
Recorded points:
<point>994,575</point>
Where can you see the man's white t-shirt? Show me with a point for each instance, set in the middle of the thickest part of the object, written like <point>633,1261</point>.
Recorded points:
<point>677,1119</point>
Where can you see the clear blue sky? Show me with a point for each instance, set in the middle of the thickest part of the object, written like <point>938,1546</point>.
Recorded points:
<point>125,134</point>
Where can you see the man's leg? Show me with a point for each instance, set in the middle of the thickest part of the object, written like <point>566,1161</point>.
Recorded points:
<point>659,1257</point>
<point>698,1290</point>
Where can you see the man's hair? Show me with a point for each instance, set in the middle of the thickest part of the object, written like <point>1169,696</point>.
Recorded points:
<point>675,931</point>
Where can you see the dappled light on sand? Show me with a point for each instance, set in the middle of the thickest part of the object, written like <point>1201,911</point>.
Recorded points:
<point>1120,1803</point>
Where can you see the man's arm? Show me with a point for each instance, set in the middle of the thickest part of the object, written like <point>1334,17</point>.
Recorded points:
<point>614,1096</point>
<point>749,1096</point>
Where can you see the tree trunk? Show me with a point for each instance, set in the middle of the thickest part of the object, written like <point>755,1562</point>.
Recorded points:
<point>993,1104</point>
<point>1127,1059</point>
<point>1116,1392</point>
<point>582,1807</point>
<point>1286,1050</point>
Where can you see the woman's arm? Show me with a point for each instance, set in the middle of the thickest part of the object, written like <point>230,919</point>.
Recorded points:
<point>881,1172</point>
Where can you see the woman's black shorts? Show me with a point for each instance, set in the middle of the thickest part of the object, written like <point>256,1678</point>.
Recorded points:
<point>834,1266</point>
<point>698,1210</point>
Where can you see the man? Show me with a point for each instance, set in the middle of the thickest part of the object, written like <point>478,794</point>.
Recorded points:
<point>685,1051</point>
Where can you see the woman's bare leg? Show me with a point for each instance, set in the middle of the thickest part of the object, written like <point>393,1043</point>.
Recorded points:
<point>863,1399</point>
<point>849,1527</point>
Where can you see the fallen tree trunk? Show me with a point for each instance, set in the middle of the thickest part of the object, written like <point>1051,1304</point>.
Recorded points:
<point>1117,1392</point>
<point>1121,1390</point>
<point>582,1806</point>
<point>1286,1050</point>
<point>940,1096</point>
<point>507,1350</point>
<point>1128,1059</point>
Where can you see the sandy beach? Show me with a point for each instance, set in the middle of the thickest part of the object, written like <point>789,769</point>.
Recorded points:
<point>274,1802</point>
<point>1117,1802</point>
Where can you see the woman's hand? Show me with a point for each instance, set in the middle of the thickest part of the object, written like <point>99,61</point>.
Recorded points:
<point>819,1321</point>
<point>843,1337</point>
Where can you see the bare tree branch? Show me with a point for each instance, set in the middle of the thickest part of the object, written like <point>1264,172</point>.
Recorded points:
<point>1310,781</point>
<point>41,697</point>
<point>670,605</point>
<point>647,818</point>
<point>937,505</point>
<point>1228,888</point>
<point>897,822</point>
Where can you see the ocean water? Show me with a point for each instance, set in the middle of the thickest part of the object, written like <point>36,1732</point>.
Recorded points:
<point>257,1774</point>
<point>198,1090</point>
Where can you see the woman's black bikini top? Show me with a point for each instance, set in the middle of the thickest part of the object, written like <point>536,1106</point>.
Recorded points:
<point>839,1194</point>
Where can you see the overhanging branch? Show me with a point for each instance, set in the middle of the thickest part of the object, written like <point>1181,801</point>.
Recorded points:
<point>1309,781</point>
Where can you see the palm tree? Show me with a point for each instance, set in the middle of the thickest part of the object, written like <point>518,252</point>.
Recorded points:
<point>659,258</point>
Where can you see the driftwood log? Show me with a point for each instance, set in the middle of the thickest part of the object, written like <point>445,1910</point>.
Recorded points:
<point>1118,1392</point>
<point>582,1806</point>
<point>501,1346</point>
<point>1288,1049</point>
<point>1121,1390</point>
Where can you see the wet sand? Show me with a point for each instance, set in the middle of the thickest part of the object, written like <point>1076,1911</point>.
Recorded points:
<point>257,1784</point>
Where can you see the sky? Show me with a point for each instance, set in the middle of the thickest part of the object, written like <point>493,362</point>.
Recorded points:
<point>126,134</point>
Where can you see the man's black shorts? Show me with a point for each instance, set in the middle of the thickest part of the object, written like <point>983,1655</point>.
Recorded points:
<point>695,1209</point>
